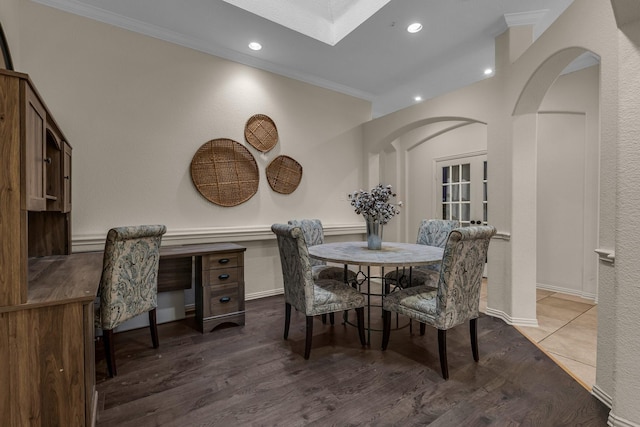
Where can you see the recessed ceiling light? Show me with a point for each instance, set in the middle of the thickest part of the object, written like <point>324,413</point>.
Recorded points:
<point>417,98</point>
<point>255,46</point>
<point>488,71</point>
<point>415,27</point>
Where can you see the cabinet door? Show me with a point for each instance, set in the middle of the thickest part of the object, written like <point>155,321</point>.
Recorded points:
<point>34,151</point>
<point>66,178</point>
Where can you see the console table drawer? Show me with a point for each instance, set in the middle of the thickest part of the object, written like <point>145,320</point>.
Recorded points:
<point>215,261</point>
<point>221,276</point>
<point>222,299</point>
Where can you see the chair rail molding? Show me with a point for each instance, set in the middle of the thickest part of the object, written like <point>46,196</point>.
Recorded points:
<point>606,255</point>
<point>502,235</point>
<point>95,242</point>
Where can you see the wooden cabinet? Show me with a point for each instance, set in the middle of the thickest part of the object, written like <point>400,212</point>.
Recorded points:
<point>66,178</point>
<point>219,287</point>
<point>34,142</point>
<point>46,301</point>
<point>46,155</point>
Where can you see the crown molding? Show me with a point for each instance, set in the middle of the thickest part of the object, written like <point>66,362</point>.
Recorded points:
<point>524,18</point>
<point>517,19</point>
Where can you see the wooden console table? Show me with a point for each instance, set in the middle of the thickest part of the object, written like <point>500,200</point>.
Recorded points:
<point>217,273</point>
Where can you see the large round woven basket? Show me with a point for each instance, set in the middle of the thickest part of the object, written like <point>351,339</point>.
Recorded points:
<point>284,174</point>
<point>261,132</point>
<point>225,172</point>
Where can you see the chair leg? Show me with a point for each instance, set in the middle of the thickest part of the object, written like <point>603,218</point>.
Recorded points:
<point>473,331</point>
<point>153,325</point>
<point>360,315</point>
<point>442,349</point>
<point>324,318</point>
<point>307,344</point>
<point>287,319</point>
<point>386,328</point>
<point>109,351</point>
<point>332,318</point>
<point>422,328</point>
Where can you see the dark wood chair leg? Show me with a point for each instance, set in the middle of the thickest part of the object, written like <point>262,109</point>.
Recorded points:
<point>153,325</point>
<point>360,316</point>
<point>324,318</point>
<point>332,318</point>
<point>287,319</point>
<point>109,352</point>
<point>307,344</point>
<point>473,331</point>
<point>422,328</point>
<point>442,349</point>
<point>386,328</point>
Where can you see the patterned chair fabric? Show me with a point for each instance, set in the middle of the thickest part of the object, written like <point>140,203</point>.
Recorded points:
<point>128,286</point>
<point>312,297</point>
<point>314,235</point>
<point>456,298</point>
<point>309,296</point>
<point>432,232</point>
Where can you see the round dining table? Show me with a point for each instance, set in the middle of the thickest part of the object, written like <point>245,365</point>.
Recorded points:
<point>392,255</point>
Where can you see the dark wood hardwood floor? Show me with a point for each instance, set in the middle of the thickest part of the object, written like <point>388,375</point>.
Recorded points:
<point>249,376</point>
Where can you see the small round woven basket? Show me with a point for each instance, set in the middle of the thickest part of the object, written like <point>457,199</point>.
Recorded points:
<point>225,172</point>
<point>284,174</point>
<point>261,132</point>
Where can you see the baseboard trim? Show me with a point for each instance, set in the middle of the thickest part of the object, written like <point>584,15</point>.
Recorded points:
<point>514,321</point>
<point>189,310</point>
<point>603,397</point>
<point>615,421</point>
<point>568,291</point>
<point>264,294</point>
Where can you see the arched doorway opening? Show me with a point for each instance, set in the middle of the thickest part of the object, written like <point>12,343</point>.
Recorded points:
<point>560,103</point>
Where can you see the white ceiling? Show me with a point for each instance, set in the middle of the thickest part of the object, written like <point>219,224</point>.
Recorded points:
<point>358,47</point>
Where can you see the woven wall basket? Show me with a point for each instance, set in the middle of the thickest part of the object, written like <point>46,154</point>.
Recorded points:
<point>261,132</point>
<point>225,172</point>
<point>284,174</point>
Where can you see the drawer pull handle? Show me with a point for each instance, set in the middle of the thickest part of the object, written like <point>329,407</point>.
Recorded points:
<point>223,260</point>
<point>225,300</point>
<point>223,276</point>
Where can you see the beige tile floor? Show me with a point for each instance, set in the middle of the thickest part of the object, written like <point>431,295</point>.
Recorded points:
<point>567,332</point>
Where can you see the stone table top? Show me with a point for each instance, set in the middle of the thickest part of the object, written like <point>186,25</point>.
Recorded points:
<point>391,255</point>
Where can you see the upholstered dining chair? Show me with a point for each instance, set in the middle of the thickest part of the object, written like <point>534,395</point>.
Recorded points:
<point>129,283</point>
<point>432,232</point>
<point>456,298</point>
<point>314,235</point>
<point>309,296</point>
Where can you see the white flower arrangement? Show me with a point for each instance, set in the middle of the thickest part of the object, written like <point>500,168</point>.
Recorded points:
<point>374,205</point>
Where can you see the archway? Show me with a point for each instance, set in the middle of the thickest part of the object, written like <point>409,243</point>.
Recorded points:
<point>408,158</point>
<point>558,120</point>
